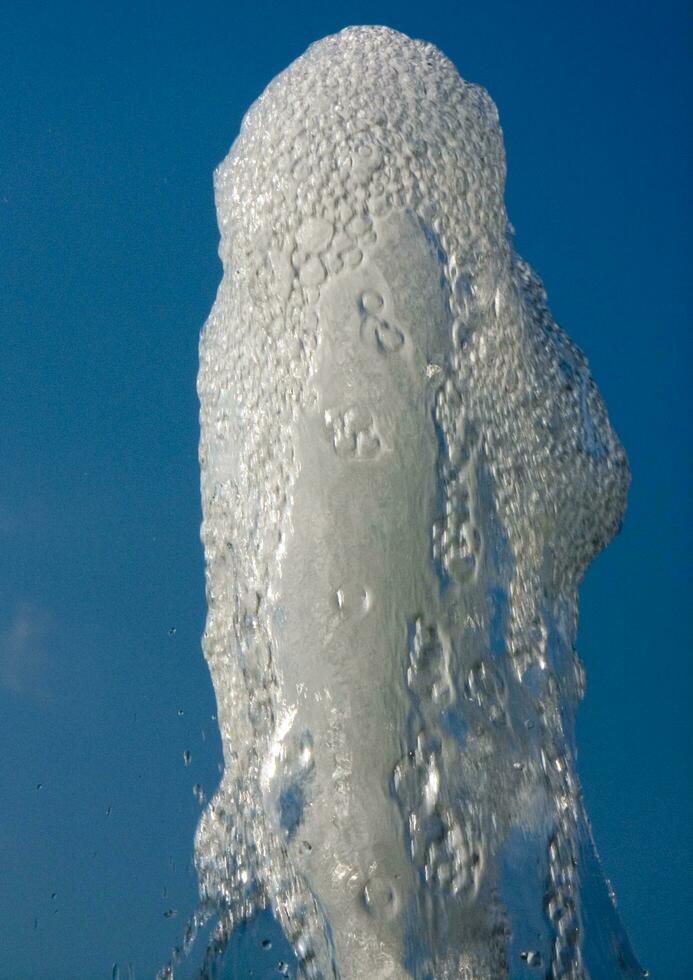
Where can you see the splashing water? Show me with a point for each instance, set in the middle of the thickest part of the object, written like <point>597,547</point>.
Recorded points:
<point>406,469</point>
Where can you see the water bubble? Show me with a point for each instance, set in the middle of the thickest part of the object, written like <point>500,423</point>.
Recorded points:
<point>371,301</point>
<point>380,896</point>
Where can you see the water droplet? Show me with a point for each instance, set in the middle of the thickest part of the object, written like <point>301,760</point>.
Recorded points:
<point>170,913</point>
<point>267,944</point>
<point>172,631</point>
<point>187,757</point>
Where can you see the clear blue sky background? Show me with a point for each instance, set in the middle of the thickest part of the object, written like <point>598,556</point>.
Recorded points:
<point>113,117</point>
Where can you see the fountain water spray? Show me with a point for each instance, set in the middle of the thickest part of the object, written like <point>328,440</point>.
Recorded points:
<point>406,469</point>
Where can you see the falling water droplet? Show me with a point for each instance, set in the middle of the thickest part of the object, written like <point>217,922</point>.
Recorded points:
<point>531,957</point>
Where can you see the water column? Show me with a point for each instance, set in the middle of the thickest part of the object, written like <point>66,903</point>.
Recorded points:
<point>406,469</point>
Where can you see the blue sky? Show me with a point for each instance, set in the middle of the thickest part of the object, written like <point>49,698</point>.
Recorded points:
<point>113,118</point>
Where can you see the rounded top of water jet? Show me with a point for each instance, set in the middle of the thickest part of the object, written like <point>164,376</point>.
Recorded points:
<point>364,113</point>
